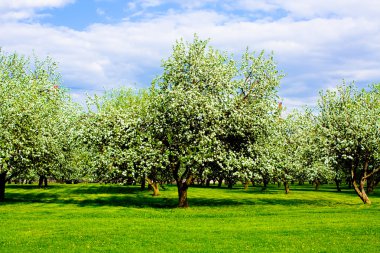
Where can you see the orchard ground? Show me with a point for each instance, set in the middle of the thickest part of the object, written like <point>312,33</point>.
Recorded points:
<point>113,218</point>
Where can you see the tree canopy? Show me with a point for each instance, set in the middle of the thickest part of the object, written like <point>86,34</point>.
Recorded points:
<point>207,117</point>
<point>32,117</point>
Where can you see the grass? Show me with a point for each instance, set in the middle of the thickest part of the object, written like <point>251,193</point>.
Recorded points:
<point>112,218</point>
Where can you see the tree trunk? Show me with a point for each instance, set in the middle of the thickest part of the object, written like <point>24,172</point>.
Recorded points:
<point>246,184</point>
<point>208,182</point>
<point>2,186</point>
<point>317,184</point>
<point>360,189</point>
<point>265,184</point>
<point>286,186</point>
<point>349,182</point>
<point>337,182</point>
<point>142,188</point>
<point>156,190</point>
<point>220,182</point>
<point>371,184</point>
<point>230,184</point>
<point>40,181</point>
<point>182,194</point>
<point>155,187</point>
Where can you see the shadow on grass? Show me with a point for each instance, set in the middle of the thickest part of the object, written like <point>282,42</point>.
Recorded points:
<point>303,202</point>
<point>106,189</point>
<point>124,200</point>
<point>138,200</point>
<point>273,189</point>
<point>157,202</point>
<point>32,186</point>
<point>80,189</point>
<point>131,196</point>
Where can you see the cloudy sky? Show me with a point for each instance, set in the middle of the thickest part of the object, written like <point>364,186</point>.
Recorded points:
<point>102,44</point>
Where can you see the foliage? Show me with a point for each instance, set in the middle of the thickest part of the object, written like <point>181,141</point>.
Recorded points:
<point>119,145</point>
<point>349,127</point>
<point>209,109</point>
<point>207,117</point>
<point>31,117</point>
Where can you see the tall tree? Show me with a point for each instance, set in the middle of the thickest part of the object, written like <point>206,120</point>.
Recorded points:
<point>350,127</point>
<point>30,97</point>
<point>204,106</point>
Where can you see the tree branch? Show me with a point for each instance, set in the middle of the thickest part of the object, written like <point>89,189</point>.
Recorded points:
<point>371,174</point>
<point>250,90</point>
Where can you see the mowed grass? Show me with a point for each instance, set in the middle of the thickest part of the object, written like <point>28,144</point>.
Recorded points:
<point>113,218</point>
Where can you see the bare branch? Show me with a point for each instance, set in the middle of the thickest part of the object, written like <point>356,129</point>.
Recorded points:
<point>372,173</point>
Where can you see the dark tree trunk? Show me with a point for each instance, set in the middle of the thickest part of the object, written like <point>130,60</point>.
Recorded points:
<point>220,182</point>
<point>278,184</point>
<point>208,182</point>
<point>230,184</point>
<point>349,182</point>
<point>371,184</point>
<point>253,182</point>
<point>40,181</point>
<point>337,183</point>
<point>317,184</point>
<point>182,194</point>
<point>142,188</point>
<point>286,186</point>
<point>265,184</point>
<point>2,186</point>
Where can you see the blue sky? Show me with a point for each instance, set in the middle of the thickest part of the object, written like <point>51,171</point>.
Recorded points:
<point>103,44</point>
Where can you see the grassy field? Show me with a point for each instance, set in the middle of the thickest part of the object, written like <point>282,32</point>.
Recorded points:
<point>112,218</point>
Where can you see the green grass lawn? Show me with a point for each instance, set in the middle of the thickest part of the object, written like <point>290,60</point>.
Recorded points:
<point>112,218</point>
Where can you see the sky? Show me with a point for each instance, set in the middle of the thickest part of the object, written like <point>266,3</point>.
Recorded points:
<point>104,44</point>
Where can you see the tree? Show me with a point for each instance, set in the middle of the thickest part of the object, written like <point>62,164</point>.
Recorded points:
<point>119,142</point>
<point>30,97</point>
<point>281,156</point>
<point>204,105</point>
<point>349,126</point>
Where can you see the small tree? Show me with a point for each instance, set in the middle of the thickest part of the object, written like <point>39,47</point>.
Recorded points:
<point>117,137</point>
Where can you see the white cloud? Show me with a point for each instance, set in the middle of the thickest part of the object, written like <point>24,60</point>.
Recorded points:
<point>100,12</point>
<point>315,52</point>
<point>16,15</point>
<point>310,9</point>
<point>32,4</point>
<point>16,10</point>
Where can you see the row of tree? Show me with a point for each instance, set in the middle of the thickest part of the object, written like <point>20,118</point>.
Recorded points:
<point>207,118</point>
